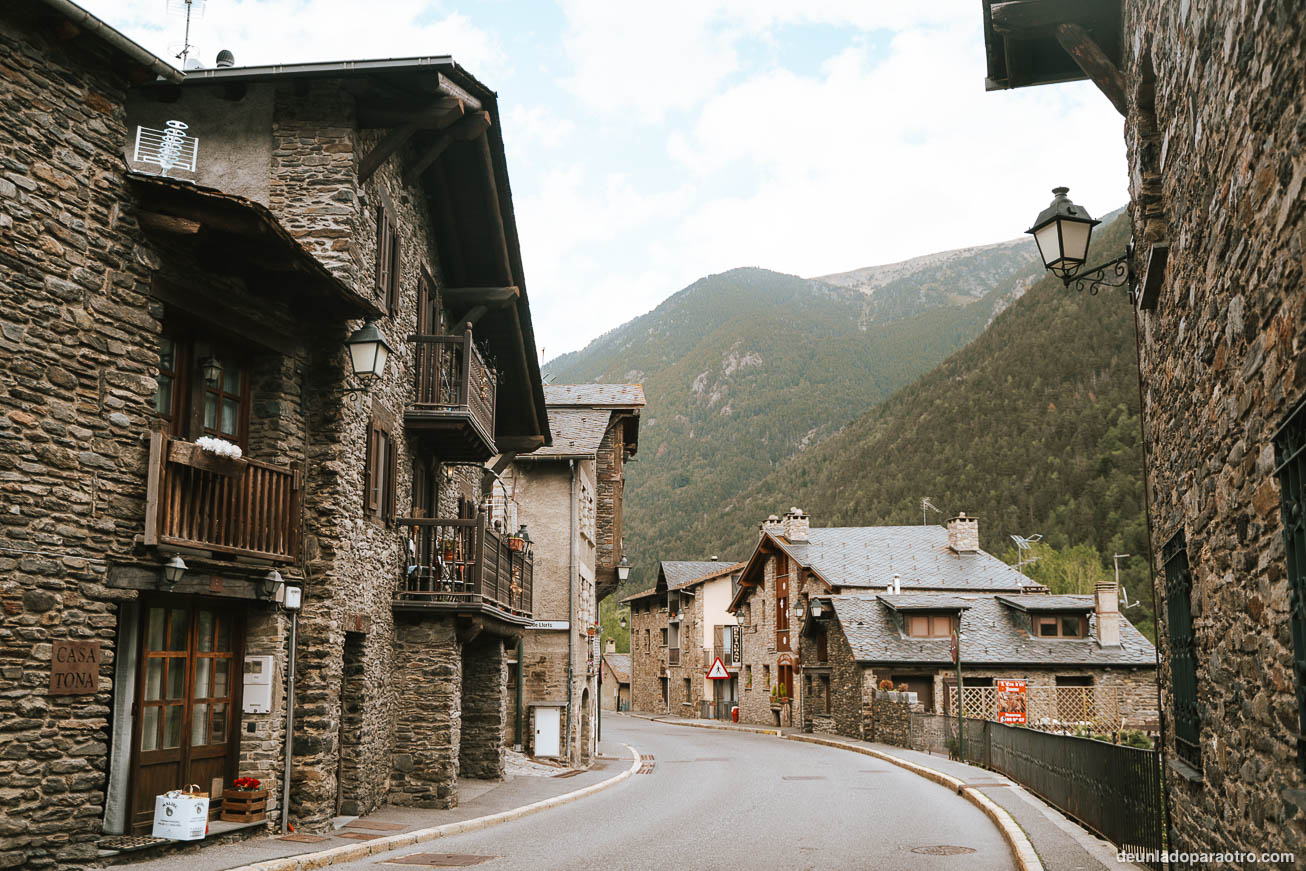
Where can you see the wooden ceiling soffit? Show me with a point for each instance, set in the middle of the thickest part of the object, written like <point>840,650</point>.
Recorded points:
<point>467,129</point>
<point>491,297</point>
<point>1090,58</point>
<point>1037,42</point>
<point>435,116</point>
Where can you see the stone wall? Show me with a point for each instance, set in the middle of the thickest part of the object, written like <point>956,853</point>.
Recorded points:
<point>890,721</point>
<point>1216,158</point>
<point>846,679</point>
<point>648,658</point>
<point>428,722</point>
<point>484,709</point>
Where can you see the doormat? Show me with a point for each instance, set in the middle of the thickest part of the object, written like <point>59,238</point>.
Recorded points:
<point>377,825</point>
<point>305,839</point>
<point>440,860</point>
<point>129,842</point>
<point>358,836</point>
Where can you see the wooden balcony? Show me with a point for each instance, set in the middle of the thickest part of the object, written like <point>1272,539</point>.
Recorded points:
<point>465,566</point>
<point>729,656</point>
<point>453,400</point>
<point>233,507</point>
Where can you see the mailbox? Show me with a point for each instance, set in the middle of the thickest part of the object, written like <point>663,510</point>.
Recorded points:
<point>257,697</point>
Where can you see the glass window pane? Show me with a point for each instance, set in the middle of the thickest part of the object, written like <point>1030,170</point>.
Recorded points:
<point>150,729</point>
<point>1047,628</point>
<point>1070,627</point>
<point>219,733</point>
<point>229,416</point>
<point>230,380</point>
<point>204,631</point>
<point>210,411</point>
<point>178,629</point>
<point>154,679</point>
<point>154,630</point>
<point>167,353</point>
<point>203,676</point>
<point>199,724</point>
<point>224,634</point>
<point>163,395</point>
<point>177,678</point>
<point>220,667</point>
<point>171,727</point>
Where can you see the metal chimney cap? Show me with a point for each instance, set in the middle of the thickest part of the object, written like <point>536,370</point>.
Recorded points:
<point>225,59</point>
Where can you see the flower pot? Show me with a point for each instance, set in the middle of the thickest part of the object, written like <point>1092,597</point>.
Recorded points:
<point>517,544</point>
<point>244,805</point>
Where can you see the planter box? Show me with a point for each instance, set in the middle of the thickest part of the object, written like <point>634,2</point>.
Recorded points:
<point>244,805</point>
<point>189,454</point>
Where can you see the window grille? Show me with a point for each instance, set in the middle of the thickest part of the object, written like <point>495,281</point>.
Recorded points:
<point>1183,661</point>
<point>1290,466</point>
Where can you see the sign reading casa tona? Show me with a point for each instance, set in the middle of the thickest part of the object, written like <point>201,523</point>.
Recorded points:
<point>74,668</point>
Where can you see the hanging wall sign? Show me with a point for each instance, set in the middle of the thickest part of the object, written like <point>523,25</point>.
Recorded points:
<point>1011,701</point>
<point>74,668</point>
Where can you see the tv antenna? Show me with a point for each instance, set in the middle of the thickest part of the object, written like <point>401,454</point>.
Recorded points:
<point>926,504</point>
<point>1023,546</point>
<point>186,8</point>
<point>1124,594</point>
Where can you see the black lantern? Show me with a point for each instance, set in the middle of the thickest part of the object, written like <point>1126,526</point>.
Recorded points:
<point>623,569</point>
<point>368,351</point>
<point>526,540</point>
<point>1062,231</point>
<point>211,370</point>
<point>268,584</point>
<point>622,621</point>
<point>816,608</point>
<point>799,609</point>
<point>173,569</point>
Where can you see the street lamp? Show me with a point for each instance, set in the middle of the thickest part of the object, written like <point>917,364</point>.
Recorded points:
<point>621,621</point>
<point>1062,232</point>
<point>368,353</point>
<point>623,569</point>
<point>799,609</point>
<point>173,569</point>
<point>816,608</point>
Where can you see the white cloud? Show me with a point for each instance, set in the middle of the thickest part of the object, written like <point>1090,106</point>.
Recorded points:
<point>538,127</point>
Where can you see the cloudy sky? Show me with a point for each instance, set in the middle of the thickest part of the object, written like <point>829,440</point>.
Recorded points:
<point>652,144</point>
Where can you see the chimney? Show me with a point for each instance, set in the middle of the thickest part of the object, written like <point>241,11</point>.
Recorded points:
<point>771,525</point>
<point>963,534</point>
<point>896,587</point>
<point>611,646</point>
<point>796,525</point>
<point>225,59</point>
<point>1107,605</point>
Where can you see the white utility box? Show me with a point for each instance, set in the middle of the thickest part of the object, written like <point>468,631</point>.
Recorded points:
<point>257,695</point>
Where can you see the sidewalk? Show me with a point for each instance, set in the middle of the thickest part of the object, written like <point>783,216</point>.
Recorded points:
<point>1060,843</point>
<point>476,799</point>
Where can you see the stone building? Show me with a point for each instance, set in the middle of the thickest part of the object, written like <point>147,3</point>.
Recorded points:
<point>794,563</point>
<point>140,312</point>
<point>572,493</point>
<point>1082,661</point>
<point>614,694</point>
<point>678,628</point>
<point>1215,129</point>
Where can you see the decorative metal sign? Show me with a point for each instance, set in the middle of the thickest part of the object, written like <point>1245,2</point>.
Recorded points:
<point>74,668</point>
<point>168,148</point>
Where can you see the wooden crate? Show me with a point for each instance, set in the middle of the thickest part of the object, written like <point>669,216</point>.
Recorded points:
<point>244,805</point>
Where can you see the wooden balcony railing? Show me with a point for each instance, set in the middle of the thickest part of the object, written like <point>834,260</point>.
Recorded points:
<point>238,507</point>
<point>454,392</point>
<point>465,565</point>
<point>729,656</point>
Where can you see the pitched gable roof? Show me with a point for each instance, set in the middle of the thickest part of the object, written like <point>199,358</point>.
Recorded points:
<point>678,574</point>
<point>595,395</point>
<point>619,663</point>
<point>995,634</point>
<point>577,434</point>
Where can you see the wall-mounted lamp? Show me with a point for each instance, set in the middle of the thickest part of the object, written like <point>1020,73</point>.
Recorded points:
<point>211,370</point>
<point>622,622</point>
<point>173,569</point>
<point>267,586</point>
<point>623,569</point>
<point>799,609</point>
<point>368,353</point>
<point>527,544</point>
<point>1062,232</point>
<point>817,609</point>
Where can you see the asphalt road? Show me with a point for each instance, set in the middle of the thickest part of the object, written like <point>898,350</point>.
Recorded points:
<point>730,801</point>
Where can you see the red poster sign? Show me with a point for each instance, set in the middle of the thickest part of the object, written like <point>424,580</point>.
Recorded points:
<point>1011,701</point>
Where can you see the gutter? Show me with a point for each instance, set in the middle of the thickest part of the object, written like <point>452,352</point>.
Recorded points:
<point>571,597</point>
<point>88,22</point>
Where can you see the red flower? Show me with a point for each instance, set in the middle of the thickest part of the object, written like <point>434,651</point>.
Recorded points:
<point>246,783</point>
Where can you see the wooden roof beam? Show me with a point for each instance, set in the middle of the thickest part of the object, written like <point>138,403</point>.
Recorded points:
<point>1094,62</point>
<point>437,115</point>
<point>490,297</point>
<point>465,130</point>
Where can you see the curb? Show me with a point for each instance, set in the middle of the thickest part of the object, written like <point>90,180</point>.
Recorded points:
<point>1017,840</point>
<point>354,852</point>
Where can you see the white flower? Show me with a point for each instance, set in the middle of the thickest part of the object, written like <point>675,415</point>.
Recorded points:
<point>221,447</point>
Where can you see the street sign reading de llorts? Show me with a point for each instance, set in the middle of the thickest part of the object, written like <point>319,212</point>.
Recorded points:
<point>74,668</point>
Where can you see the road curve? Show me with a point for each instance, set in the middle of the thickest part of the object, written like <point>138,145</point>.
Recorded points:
<point>730,801</point>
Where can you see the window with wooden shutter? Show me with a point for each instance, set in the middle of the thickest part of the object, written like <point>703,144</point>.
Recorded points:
<point>388,483</point>
<point>384,261</point>
<point>1183,655</point>
<point>1290,466</point>
<point>370,478</point>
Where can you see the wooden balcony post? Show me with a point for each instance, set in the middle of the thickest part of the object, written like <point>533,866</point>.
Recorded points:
<point>465,387</point>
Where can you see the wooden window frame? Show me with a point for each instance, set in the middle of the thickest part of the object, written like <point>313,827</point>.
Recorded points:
<point>1290,468</point>
<point>1182,650</point>
<point>380,464</point>
<point>909,622</point>
<point>1057,622</point>
<point>388,261</point>
<point>219,392</point>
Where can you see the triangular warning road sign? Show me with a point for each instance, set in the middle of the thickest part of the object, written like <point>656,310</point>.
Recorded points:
<point>718,671</point>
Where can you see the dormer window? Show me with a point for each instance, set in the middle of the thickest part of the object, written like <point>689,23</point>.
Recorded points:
<point>929,625</point>
<point>1059,626</point>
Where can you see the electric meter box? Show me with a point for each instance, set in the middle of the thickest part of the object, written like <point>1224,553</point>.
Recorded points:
<point>257,696</point>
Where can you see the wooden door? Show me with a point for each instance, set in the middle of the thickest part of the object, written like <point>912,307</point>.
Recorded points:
<point>187,701</point>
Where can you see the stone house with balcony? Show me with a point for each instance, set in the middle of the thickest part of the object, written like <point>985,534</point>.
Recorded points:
<point>143,311</point>
<point>572,494</point>
<point>793,563</point>
<point>1083,662</point>
<point>677,630</point>
<point>1216,147</point>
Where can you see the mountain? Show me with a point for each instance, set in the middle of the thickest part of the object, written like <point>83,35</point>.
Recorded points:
<point>745,369</point>
<point>1033,427</point>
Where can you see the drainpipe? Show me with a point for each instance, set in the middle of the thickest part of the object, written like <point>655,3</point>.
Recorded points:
<point>521,662</point>
<point>571,598</point>
<point>290,725</point>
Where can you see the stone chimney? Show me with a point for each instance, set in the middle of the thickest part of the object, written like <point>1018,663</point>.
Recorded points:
<point>1106,603</point>
<point>771,525</point>
<point>796,525</point>
<point>963,534</point>
<point>611,646</point>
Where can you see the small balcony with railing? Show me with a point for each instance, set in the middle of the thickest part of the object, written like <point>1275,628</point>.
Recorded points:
<point>466,566</point>
<point>228,507</point>
<point>454,396</point>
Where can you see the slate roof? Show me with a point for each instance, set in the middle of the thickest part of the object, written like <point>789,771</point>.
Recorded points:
<point>925,602</point>
<point>1045,604</point>
<point>604,395</point>
<point>577,433</point>
<point>682,573</point>
<point>635,596</point>
<point>869,556</point>
<point>995,634</point>
<point>619,663</point>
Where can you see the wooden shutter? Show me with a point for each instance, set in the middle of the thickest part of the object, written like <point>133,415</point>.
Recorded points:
<point>392,289</point>
<point>384,257</point>
<point>388,494</point>
<point>370,468</point>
